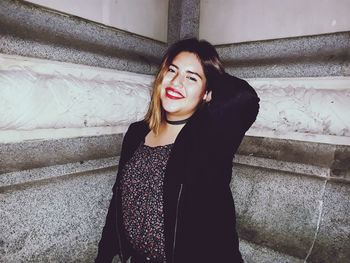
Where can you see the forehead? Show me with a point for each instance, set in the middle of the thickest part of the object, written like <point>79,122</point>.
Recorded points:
<point>188,61</point>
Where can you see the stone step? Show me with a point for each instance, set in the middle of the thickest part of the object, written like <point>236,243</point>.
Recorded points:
<point>289,205</point>
<point>253,253</point>
<point>55,220</point>
<point>41,153</point>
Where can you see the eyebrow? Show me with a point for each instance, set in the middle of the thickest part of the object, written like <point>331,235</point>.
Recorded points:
<point>188,71</point>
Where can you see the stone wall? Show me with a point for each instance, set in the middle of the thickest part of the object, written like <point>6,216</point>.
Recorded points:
<point>307,56</point>
<point>61,128</point>
<point>290,178</point>
<point>293,197</point>
<point>48,34</point>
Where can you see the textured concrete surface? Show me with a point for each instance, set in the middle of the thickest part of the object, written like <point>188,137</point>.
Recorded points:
<point>288,150</point>
<point>341,166</point>
<point>59,37</point>
<point>278,210</point>
<point>56,221</point>
<point>183,20</point>
<point>332,243</point>
<point>47,34</point>
<point>297,168</point>
<point>29,30</point>
<point>31,176</point>
<point>321,155</point>
<point>309,56</point>
<point>57,213</point>
<point>293,214</point>
<point>253,253</point>
<point>34,154</point>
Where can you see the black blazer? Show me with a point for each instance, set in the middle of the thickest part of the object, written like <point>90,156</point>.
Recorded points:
<point>199,212</point>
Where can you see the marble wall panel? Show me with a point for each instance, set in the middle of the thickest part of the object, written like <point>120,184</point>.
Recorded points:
<point>306,108</point>
<point>37,94</point>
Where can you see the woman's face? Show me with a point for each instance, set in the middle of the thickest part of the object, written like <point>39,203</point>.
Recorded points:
<point>183,86</point>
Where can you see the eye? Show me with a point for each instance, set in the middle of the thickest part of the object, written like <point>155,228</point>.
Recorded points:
<point>192,78</point>
<point>171,70</point>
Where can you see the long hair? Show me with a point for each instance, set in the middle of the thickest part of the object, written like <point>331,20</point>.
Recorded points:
<point>211,65</point>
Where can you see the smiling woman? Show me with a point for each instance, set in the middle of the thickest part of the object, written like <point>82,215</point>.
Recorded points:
<point>171,200</point>
<point>183,87</point>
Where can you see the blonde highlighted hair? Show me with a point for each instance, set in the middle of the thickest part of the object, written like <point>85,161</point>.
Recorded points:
<point>210,62</point>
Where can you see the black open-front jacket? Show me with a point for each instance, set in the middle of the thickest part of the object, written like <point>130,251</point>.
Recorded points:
<point>199,212</point>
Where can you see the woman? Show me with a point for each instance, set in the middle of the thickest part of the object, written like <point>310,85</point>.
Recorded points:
<point>171,200</point>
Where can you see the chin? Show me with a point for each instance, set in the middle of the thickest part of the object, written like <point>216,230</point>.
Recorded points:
<point>170,109</point>
<point>170,106</point>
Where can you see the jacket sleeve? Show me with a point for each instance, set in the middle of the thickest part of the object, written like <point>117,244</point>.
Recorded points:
<point>232,110</point>
<point>108,246</point>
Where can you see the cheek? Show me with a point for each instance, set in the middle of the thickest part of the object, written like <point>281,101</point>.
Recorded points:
<point>199,91</point>
<point>163,85</point>
<point>166,79</point>
<point>197,96</point>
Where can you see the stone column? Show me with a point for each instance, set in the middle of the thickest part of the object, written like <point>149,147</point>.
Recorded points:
<point>183,20</point>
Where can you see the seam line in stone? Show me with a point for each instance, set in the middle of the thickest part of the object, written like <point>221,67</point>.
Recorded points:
<point>318,221</point>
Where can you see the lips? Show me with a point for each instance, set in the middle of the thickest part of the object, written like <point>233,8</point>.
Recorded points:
<point>173,94</point>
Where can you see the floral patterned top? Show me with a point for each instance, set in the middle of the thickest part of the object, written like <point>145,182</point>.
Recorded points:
<point>142,200</point>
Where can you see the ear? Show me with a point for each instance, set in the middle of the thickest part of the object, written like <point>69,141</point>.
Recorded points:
<point>205,95</point>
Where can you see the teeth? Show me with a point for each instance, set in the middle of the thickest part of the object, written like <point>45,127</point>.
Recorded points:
<point>172,93</point>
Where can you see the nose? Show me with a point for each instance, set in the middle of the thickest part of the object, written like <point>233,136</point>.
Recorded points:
<point>177,80</point>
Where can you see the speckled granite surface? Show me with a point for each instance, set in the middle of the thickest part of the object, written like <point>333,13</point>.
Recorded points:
<point>183,20</point>
<point>276,209</point>
<point>307,158</point>
<point>31,176</point>
<point>50,35</point>
<point>332,242</point>
<point>56,213</point>
<point>34,154</point>
<point>56,221</point>
<point>309,56</point>
<point>305,217</point>
<point>253,253</point>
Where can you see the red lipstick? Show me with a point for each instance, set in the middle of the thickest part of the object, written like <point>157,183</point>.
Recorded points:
<point>170,96</point>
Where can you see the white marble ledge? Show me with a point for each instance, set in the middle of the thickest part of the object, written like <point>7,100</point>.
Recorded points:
<point>43,94</point>
<point>40,98</point>
<point>304,108</point>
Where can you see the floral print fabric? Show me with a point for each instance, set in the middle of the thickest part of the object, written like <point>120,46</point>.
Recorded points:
<point>142,200</point>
